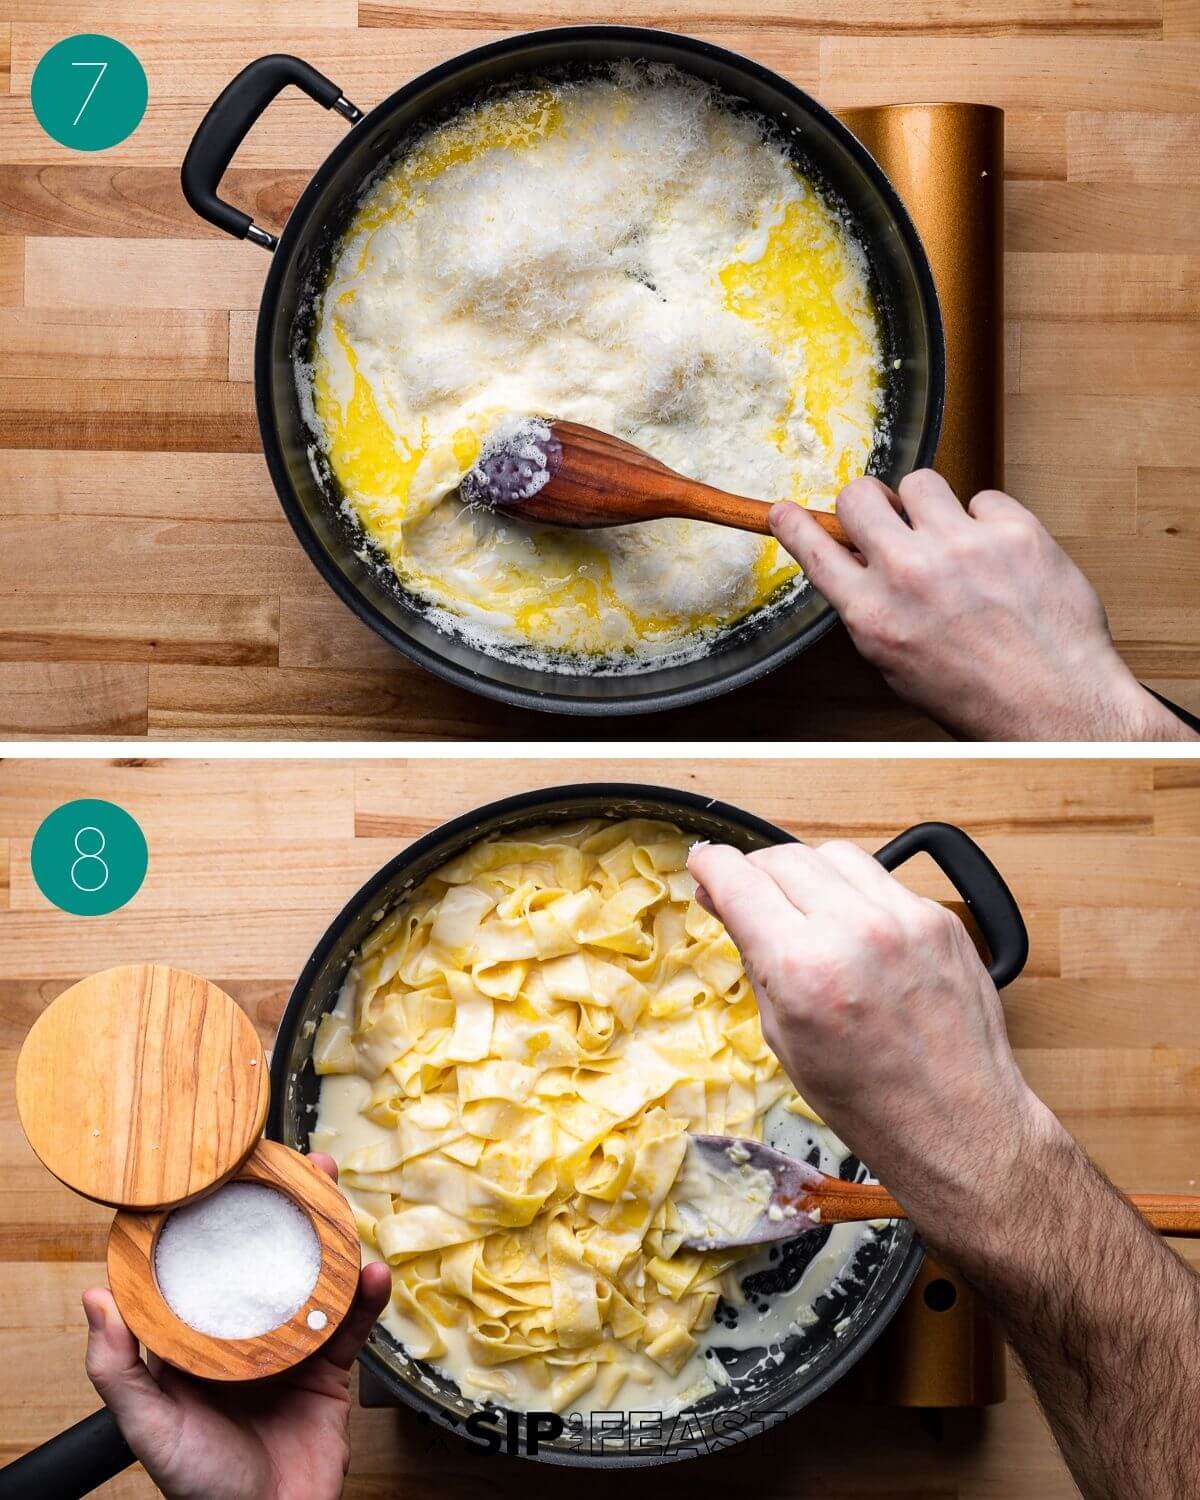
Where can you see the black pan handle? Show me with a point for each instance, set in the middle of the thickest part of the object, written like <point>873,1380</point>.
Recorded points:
<point>72,1464</point>
<point>978,882</point>
<point>228,122</point>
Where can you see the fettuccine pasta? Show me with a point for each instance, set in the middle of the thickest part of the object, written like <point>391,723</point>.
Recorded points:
<point>517,1054</point>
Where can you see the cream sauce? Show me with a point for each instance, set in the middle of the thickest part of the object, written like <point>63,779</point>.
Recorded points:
<point>626,253</point>
<point>341,1128</point>
<point>720,1200</point>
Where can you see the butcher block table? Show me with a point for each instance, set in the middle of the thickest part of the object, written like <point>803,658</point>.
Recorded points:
<point>149,584</point>
<point>250,860</point>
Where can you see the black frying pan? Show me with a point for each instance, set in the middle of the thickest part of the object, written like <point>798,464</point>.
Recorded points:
<point>86,1455</point>
<point>821,146</point>
<point>885,1268</point>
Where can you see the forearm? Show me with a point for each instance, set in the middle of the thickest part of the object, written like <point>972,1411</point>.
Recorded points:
<point>1159,723</point>
<point>1096,698</point>
<point>1115,706</point>
<point>879,1008</point>
<point>1104,1317</point>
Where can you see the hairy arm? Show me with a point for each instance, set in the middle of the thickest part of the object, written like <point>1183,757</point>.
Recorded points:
<point>976,615</point>
<point>1104,1317</point>
<point>879,1008</point>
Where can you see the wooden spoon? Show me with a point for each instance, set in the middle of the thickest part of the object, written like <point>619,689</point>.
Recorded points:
<point>802,1198</point>
<point>569,475</point>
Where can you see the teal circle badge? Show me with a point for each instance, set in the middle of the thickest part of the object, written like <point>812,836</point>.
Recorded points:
<point>89,92</point>
<point>89,857</point>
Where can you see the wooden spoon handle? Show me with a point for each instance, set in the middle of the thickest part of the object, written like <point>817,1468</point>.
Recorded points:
<point>1170,1213</point>
<point>700,503</point>
<point>851,1202</point>
<point>601,480</point>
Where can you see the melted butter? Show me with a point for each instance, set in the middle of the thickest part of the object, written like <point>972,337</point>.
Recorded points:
<point>805,292</point>
<point>802,285</point>
<point>512,123</point>
<point>373,464</point>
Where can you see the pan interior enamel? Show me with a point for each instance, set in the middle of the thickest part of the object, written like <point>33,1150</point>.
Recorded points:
<point>623,251</point>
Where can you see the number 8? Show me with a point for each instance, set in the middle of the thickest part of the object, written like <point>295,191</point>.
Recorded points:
<point>89,855</point>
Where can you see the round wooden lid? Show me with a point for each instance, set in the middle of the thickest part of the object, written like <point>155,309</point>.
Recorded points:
<point>142,1086</point>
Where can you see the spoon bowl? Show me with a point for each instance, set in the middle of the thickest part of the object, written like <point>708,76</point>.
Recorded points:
<point>565,474</point>
<point>781,1197</point>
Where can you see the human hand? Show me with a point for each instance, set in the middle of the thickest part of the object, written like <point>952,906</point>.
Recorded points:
<point>881,1012</point>
<point>280,1439</point>
<point>977,616</point>
<point>877,1005</point>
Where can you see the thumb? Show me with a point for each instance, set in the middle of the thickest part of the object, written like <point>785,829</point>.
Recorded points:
<point>831,568</point>
<point>124,1383</point>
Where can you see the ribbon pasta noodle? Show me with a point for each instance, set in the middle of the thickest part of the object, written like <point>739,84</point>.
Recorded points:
<point>516,1056</point>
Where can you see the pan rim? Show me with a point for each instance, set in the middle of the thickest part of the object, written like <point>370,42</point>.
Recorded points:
<point>551,799</point>
<point>479,680</point>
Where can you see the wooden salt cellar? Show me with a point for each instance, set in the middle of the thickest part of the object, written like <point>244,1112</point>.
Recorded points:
<point>145,1088</point>
<point>131,1244</point>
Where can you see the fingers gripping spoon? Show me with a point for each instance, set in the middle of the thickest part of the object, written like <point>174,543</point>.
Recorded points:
<point>741,1192</point>
<point>566,474</point>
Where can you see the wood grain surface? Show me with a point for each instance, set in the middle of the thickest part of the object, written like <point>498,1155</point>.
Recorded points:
<point>149,584</point>
<point>141,1086</point>
<point>250,860</point>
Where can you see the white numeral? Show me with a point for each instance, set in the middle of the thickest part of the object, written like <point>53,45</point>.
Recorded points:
<point>102,66</point>
<point>86,857</point>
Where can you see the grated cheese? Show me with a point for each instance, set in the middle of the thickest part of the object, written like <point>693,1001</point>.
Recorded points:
<point>624,252</point>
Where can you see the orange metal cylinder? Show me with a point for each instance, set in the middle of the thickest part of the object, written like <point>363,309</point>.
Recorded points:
<point>947,163</point>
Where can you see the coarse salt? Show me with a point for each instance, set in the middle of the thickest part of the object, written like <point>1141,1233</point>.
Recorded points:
<point>238,1263</point>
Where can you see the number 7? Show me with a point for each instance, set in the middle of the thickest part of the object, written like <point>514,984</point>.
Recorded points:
<point>102,66</point>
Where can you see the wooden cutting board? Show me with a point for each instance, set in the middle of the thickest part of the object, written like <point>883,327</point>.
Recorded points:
<point>149,583</point>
